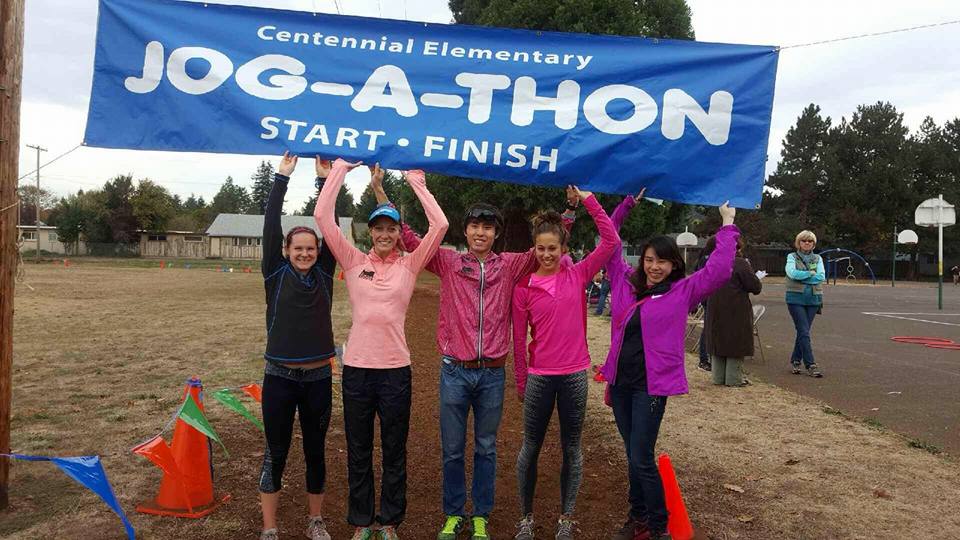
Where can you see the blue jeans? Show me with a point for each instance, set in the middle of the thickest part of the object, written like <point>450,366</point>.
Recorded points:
<point>638,417</point>
<point>802,320</point>
<point>704,357</point>
<point>602,299</point>
<point>460,389</point>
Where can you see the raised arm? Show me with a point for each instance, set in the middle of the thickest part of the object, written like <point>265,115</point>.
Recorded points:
<point>438,222</point>
<point>609,240</point>
<point>326,261</point>
<point>346,254</point>
<point>623,209</point>
<point>272,228</point>
<point>519,315</point>
<point>719,266</point>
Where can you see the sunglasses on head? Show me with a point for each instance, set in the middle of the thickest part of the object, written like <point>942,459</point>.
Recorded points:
<point>482,213</point>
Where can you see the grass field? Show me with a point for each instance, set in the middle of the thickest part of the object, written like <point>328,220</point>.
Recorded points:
<point>102,351</point>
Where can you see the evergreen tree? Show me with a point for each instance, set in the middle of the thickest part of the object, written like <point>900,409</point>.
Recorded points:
<point>231,199</point>
<point>260,192</point>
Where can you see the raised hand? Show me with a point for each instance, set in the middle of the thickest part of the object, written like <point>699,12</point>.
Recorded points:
<point>376,176</point>
<point>639,196</point>
<point>287,164</point>
<point>573,199</point>
<point>322,166</point>
<point>582,195</point>
<point>727,213</point>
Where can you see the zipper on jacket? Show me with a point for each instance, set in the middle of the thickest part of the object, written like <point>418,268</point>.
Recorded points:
<point>480,329</point>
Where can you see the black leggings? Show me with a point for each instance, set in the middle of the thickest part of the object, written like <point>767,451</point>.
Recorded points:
<point>569,393</point>
<point>285,392</point>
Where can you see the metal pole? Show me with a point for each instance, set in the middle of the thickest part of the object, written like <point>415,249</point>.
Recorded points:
<point>940,253</point>
<point>38,149</point>
<point>893,269</point>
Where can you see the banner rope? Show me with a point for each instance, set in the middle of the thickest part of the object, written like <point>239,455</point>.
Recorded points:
<point>871,34</point>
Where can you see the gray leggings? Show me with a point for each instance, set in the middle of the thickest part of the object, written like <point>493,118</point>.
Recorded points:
<point>569,392</point>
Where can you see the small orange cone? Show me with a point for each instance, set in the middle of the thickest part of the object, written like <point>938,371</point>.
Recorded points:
<point>163,264</point>
<point>679,522</point>
<point>189,494</point>
<point>66,263</point>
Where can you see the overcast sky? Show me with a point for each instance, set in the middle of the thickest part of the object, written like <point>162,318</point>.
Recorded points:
<point>918,72</point>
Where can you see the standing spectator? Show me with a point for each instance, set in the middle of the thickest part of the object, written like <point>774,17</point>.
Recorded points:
<point>956,274</point>
<point>704,363</point>
<point>805,277</point>
<point>730,324</point>
<point>604,291</point>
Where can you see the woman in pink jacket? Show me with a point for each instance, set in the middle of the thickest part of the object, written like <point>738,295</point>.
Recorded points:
<point>649,306</point>
<point>551,302</point>
<point>376,377</point>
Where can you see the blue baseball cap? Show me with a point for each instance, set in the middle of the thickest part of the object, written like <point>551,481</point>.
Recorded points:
<point>385,210</point>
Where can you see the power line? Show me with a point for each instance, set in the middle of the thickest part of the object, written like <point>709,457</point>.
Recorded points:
<point>51,161</point>
<point>872,34</point>
<point>336,4</point>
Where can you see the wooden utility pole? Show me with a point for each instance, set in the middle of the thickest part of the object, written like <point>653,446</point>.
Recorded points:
<point>11,69</point>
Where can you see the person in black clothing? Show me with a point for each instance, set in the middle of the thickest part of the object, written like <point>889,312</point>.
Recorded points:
<point>298,279</point>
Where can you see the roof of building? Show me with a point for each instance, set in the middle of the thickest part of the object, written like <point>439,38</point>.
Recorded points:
<point>244,225</point>
<point>251,226</point>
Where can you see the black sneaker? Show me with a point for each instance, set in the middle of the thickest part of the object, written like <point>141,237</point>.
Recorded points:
<point>814,371</point>
<point>704,366</point>
<point>632,529</point>
<point>796,368</point>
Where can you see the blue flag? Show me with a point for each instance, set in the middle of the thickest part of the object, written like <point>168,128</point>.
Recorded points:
<point>688,120</point>
<point>88,472</point>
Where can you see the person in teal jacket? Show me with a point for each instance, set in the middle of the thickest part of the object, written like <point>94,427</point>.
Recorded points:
<point>805,276</point>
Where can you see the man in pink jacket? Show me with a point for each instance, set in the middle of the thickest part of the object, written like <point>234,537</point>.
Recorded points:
<point>473,336</point>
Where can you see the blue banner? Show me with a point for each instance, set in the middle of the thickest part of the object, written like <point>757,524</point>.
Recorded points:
<point>688,120</point>
<point>88,472</point>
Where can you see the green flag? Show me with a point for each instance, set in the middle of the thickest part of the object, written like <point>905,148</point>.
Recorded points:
<point>190,413</point>
<point>231,402</point>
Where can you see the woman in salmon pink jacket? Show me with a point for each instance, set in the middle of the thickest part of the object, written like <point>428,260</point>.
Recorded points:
<point>376,378</point>
<point>552,302</point>
<point>645,364</point>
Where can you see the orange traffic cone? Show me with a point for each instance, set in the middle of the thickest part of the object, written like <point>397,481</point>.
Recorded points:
<point>66,263</point>
<point>679,522</point>
<point>163,264</point>
<point>189,493</point>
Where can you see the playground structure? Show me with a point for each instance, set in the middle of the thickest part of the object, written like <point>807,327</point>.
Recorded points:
<point>834,264</point>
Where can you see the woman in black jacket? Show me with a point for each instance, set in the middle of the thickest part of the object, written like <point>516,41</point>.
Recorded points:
<point>298,278</point>
<point>729,321</point>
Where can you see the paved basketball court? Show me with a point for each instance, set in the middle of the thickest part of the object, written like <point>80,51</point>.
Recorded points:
<point>911,389</point>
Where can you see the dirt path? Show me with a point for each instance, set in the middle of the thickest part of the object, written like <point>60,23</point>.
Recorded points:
<point>101,353</point>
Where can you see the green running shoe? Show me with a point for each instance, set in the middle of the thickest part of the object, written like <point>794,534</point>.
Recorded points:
<point>479,528</point>
<point>451,528</point>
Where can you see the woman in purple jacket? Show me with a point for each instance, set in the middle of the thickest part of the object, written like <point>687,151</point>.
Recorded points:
<point>645,364</point>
